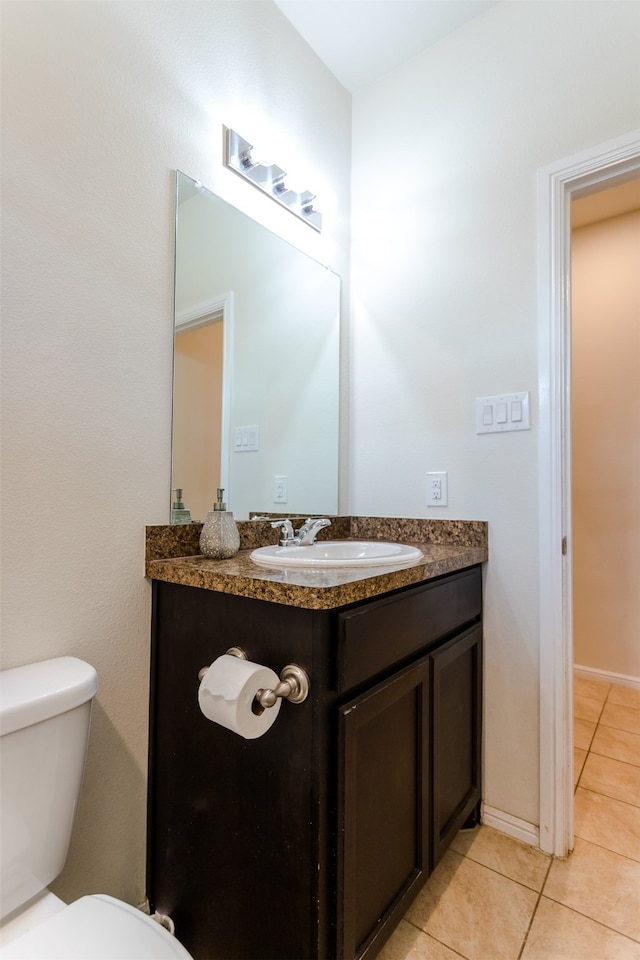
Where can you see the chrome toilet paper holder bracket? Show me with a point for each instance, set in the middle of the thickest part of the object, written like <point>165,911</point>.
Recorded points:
<point>294,683</point>
<point>293,686</point>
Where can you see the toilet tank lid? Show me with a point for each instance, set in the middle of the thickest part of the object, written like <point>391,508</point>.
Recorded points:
<point>38,691</point>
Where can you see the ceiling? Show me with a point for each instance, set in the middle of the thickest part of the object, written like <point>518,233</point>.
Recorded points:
<point>361,40</point>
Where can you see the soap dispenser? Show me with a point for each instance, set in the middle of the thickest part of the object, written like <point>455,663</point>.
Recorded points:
<point>179,513</point>
<point>219,538</point>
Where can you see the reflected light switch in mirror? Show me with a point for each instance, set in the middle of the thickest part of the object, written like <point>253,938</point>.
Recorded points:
<point>246,439</point>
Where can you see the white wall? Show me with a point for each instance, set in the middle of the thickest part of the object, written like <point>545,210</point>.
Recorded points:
<point>605,418</point>
<point>102,101</point>
<point>445,154</point>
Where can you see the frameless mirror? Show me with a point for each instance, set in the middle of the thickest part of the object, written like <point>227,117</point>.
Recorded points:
<point>256,365</point>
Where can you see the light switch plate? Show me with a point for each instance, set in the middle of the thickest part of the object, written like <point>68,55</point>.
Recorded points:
<point>246,439</point>
<point>507,411</point>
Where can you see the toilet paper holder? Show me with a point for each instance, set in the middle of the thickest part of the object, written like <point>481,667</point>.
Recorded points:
<point>294,683</point>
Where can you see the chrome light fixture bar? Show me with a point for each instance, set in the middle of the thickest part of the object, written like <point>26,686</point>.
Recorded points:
<point>270,178</point>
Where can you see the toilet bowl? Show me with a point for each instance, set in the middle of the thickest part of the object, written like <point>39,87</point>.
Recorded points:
<point>44,725</point>
<point>96,927</point>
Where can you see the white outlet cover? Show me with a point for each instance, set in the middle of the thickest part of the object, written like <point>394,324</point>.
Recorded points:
<point>280,489</point>
<point>437,489</point>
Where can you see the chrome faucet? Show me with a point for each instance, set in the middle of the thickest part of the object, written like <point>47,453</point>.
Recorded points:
<point>309,531</point>
<point>303,537</point>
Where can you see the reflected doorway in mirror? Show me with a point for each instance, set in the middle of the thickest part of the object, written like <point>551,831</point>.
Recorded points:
<point>200,400</point>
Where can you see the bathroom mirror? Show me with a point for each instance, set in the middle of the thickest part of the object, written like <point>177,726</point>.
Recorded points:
<point>256,365</point>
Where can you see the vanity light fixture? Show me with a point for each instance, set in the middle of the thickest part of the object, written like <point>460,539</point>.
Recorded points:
<point>270,178</point>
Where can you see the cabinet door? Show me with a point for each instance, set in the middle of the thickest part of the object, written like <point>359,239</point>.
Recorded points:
<point>456,703</point>
<point>383,825</point>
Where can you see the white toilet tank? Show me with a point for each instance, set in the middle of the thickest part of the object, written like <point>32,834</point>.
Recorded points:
<point>44,726</point>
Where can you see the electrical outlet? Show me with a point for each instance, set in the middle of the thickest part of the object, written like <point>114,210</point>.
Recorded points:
<point>280,489</point>
<point>437,489</point>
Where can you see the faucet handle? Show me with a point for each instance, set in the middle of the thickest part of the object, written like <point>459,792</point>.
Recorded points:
<point>287,529</point>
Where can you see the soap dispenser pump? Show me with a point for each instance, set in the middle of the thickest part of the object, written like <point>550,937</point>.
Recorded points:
<point>219,538</point>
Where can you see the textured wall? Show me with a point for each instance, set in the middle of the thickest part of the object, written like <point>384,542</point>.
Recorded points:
<point>445,155</point>
<point>101,103</point>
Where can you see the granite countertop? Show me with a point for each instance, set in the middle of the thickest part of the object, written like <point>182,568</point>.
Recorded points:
<point>447,545</point>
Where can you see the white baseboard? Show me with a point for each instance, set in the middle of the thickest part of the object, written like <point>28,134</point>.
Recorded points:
<point>606,676</point>
<point>512,826</point>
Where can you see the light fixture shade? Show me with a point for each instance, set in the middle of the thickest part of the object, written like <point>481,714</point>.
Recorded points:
<point>270,178</point>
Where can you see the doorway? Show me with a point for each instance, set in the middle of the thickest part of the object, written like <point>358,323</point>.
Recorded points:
<point>605,449</point>
<point>558,184</point>
<point>605,433</point>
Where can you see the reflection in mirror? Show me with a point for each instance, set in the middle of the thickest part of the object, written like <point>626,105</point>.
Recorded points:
<point>256,371</point>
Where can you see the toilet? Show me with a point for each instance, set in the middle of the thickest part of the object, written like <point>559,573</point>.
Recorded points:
<point>44,726</point>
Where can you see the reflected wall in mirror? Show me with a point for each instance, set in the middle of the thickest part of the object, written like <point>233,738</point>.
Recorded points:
<point>256,370</point>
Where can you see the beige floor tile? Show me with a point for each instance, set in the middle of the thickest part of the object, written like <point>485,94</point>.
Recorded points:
<point>595,689</point>
<point>579,757</point>
<point>627,696</point>
<point>501,853</point>
<point>475,911</point>
<point>409,943</point>
<point>599,884</point>
<point>584,708</point>
<point>583,731</point>
<point>613,778</point>
<point>607,822</point>
<point>621,717</point>
<point>558,933</point>
<point>618,744</point>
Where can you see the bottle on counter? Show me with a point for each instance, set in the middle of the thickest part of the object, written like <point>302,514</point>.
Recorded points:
<point>179,513</point>
<point>220,537</point>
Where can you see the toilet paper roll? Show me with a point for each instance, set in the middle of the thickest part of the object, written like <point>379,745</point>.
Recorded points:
<point>227,692</point>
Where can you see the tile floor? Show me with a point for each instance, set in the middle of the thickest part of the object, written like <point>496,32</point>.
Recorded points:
<point>493,898</point>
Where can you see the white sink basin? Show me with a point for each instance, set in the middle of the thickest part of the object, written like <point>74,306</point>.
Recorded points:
<point>338,553</point>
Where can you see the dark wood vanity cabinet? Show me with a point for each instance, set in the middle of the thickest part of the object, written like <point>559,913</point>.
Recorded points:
<point>383,806</point>
<point>312,840</point>
<point>456,695</point>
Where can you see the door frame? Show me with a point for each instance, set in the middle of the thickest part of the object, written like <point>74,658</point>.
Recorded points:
<point>573,177</point>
